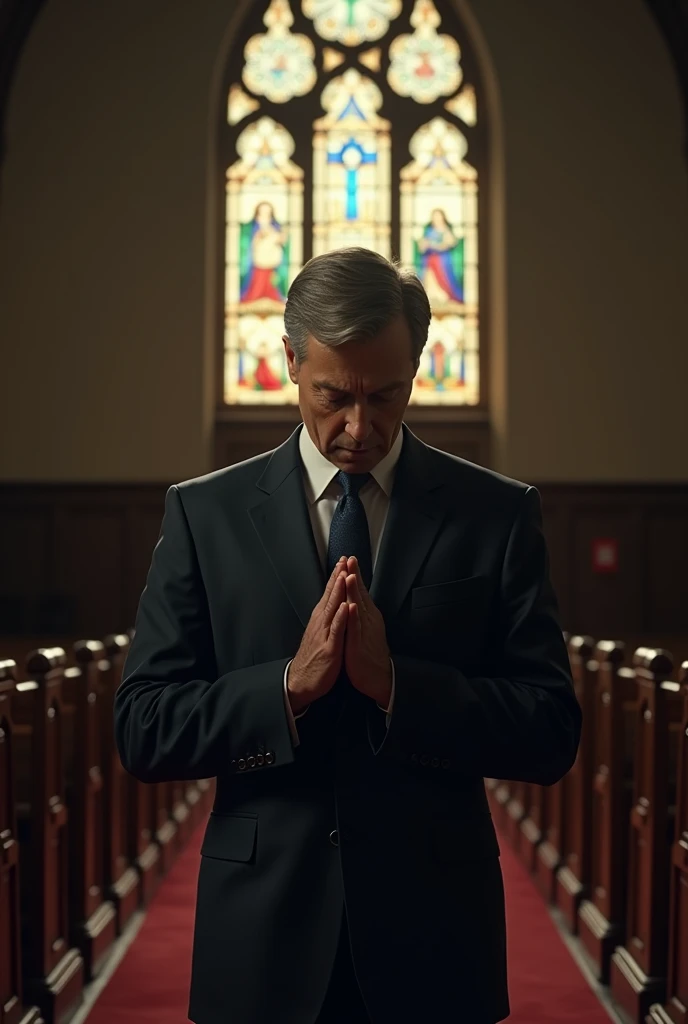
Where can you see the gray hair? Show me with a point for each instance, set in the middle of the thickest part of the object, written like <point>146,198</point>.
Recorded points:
<point>352,294</point>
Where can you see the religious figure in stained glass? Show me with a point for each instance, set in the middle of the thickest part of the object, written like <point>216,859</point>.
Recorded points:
<point>351,167</point>
<point>439,259</point>
<point>439,238</point>
<point>448,373</point>
<point>264,252</point>
<point>279,64</point>
<point>424,65</point>
<point>264,257</point>
<point>351,22</point>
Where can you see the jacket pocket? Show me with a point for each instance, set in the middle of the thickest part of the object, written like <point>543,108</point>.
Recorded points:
<point>447,593</point>
<point>230,837</point>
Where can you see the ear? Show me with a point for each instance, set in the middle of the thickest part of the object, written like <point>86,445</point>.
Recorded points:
<point>292,364</point>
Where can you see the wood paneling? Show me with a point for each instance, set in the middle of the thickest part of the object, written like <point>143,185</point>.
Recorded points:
<point>58,541</point>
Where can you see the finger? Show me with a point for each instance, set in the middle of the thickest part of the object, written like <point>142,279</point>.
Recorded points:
<point>355,568</point>
<point>337,595</point>
<point>353,627</point>
<point>353,591</point>
<point>341,564</point>
<point>337,627</point>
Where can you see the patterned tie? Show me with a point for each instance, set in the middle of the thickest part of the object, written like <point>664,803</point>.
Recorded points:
<point>349,532</point>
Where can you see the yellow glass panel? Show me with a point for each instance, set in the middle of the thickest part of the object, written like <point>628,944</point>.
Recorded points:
<point>464,105</point>
<point>239,105</point>
<point>332,58</point>
<point>371,59</point>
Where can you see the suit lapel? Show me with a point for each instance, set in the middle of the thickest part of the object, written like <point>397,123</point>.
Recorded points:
<point>416,511</point>
<point>284,527</point>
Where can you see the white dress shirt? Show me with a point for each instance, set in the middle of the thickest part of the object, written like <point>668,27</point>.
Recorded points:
<point>322,494</point>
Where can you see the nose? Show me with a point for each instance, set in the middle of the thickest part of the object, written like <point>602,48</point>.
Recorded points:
<point>358,423</point>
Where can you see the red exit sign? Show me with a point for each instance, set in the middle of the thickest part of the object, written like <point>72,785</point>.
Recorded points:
<point>605,554</point>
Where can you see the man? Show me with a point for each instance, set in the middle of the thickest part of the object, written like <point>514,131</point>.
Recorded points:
<point>350,632</point>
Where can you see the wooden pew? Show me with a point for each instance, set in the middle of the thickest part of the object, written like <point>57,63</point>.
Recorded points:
<point>53,967</point>
<point>180,813</point>
<point>12,1009</point>
<point>532,828</point>
<point>573,876</point>
<point>143,850</point>
<point>194,801</point>
<point>550,851</point>
<point>499,796</point>
<point>517,808</point>
<point>638,968</point>
<point>154,820</point>
<point>675,1009</point>
<point>123,885</point>
<point>92,917</point>
<point>601,916</point>
<point>164,825</point>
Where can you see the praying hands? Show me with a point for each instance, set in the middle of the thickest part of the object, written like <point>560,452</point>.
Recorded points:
<point>366,654</point>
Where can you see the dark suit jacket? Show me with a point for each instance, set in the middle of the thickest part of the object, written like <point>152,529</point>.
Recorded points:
<point>483,689</point>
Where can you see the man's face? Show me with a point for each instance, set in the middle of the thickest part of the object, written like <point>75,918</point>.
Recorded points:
<point>353,397</point>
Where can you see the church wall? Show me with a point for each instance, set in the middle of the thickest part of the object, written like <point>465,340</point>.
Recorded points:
<point>106,261</point>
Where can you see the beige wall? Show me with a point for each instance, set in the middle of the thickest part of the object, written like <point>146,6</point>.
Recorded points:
<point>105,285</point>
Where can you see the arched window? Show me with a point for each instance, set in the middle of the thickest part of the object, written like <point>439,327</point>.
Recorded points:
<point>352,122</point>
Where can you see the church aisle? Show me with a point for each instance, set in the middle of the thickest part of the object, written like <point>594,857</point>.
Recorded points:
<point>150,985</point>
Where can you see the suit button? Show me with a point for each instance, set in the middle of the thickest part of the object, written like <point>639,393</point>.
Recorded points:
<point>252,761</point>
<point>334,837</point>
<point>414,758</point>
<point>424,759</point>
<point>435,762</point>
<point>260,759</point>
<point>241,764</point>
<point>445,762</point>
<point>269,757</point>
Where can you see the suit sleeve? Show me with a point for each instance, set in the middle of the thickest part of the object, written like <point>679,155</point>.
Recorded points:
<point>291,717</point>
<point>174,719</point>
<point>523,721</point>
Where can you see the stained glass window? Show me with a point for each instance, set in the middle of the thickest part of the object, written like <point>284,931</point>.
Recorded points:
<point>351,167</point>
<point>263,254</point>
<point>351,122</point>
<point>424,65</point>
<point>439,238</point>
<point>352,21</point>
<point>279,64</point>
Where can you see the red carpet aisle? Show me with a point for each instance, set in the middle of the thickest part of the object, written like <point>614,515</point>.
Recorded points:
<point>150,986</point>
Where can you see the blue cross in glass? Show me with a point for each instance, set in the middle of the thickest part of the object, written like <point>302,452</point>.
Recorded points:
<point>352,156</point>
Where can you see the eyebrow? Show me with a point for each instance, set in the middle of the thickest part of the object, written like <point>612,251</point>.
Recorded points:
<point>327,386</point>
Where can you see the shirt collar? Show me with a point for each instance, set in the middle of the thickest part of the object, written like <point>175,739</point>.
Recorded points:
<point>319,472</point>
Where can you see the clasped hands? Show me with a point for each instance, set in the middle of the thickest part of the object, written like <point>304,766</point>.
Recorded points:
<point>345,628</point>
<point>366,654</point>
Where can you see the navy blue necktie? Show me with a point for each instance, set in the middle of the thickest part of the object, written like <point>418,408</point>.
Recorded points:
<point>349,532</point>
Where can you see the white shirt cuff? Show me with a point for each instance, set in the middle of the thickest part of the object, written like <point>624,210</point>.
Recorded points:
<point>291,717</point>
